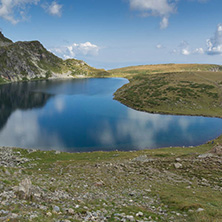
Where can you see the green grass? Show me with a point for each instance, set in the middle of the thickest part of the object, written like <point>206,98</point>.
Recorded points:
<point>184,93</point>
<point>168,194</point>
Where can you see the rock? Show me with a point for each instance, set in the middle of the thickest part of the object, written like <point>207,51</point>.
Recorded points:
<point>178,165</point>
<point>130,217</point>
<point>4,212</point>
<point>217,150</point>
<point>200,209</point>
<point>205,155</point>
<point>178,160</point>
<point>7,172</point>
<point>13,215</point>
<point>43,207</point>
<point>33,216</point>
<point>99,183</point>
<point>139,214</point>
<point>71,211</point>
<point>132,193</point>
<point>24,189</point>
<point>142,158</point>
<point>56,209</point>
<point>49,214</point>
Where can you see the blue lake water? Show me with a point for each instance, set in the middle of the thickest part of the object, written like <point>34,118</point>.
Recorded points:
<point>80,115</point>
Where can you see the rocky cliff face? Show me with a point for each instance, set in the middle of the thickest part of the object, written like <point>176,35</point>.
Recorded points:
<point>30,60</point>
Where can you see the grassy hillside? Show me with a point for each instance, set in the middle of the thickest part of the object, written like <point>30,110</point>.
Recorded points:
<point>163,68</point>
<point>171,184</point>
<point>78,67</point>
<point>173,89</point>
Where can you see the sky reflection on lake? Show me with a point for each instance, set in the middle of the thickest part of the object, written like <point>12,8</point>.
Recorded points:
<point>80,115</point>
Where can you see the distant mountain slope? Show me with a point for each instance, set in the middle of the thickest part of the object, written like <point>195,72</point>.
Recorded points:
<point>164,68</point>
<point>30,60</point>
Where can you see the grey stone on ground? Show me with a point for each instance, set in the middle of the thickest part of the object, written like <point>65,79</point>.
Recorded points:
<point>178,165</point>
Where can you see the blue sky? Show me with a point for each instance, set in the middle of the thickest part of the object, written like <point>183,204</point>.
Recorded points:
<point>116,33</point>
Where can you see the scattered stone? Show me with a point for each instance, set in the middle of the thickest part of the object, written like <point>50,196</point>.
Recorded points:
<point>7,172</point>
<point>56,209</point>
<point>200,209</point>
<point>24,189</point>
<point>13,215</point>
<point>99,183</point>
<point>49,214</point>
<point>71,211</point>
<point>205,155</point>
<point>130,217</point>
<point>4,212</point>
<point>217,150</point>
<point>178,165</point>
<point>33,216</point>
<point>139,214</point>
<point>142,158</point>
<point>178,160</point>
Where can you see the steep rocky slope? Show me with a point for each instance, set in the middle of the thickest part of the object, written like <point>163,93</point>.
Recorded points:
<point>30,60</point>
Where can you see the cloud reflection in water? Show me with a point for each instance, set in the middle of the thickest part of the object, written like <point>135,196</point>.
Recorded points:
<point>23,130</point>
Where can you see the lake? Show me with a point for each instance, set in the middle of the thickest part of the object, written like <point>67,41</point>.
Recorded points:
<point>79,115</point>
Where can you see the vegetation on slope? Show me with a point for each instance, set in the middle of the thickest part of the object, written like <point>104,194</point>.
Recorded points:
<point>30,60</point>
<point>175,92</point>
<point>171,184</point>
<point>164,68</point>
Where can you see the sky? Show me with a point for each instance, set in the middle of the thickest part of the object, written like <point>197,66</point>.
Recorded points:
<point>117,33</point>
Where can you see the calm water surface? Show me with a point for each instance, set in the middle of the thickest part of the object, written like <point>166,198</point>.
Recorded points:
<point>81,115</point>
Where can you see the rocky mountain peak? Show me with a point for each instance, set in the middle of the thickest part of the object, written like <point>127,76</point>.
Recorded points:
<point>4,41</point>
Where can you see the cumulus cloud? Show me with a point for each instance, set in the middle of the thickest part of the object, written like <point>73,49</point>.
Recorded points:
<point>185,52</point>
<point>184,48</point>
<point>214,44</point>
<point>198,51</point>
<point>159,46</point>
<point>54,9</point>
<point>85,49</point>
<point>161,8</point>
<point>13,10</point>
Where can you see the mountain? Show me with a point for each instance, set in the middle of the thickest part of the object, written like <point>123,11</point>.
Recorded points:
<point>30,60</point>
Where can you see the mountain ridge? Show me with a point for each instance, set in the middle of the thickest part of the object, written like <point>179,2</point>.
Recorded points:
<point>28,60</point>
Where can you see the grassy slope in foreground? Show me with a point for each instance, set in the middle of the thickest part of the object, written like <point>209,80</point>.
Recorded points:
<point>112,185</point>
<point>173,89</point>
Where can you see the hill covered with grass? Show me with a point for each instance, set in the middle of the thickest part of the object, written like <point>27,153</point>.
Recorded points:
<point>186,89</point>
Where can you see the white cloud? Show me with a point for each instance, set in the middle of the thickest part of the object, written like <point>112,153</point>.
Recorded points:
<point>198,51</point>
<point>214,45</point>
<point>159,46</point>
<point>54,9</point>
<point>85,49</point>
<point>161,8</point>
<point>164,23</point>
<point>185,52</point>
<point>185,49</point>
<point>8,9</point>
